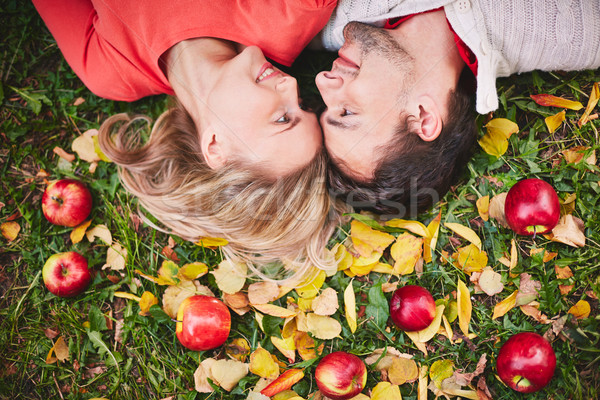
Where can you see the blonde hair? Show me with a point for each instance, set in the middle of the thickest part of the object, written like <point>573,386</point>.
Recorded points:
<point>288,219</point>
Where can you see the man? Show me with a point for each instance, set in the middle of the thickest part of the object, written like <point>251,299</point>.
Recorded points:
<point>399,123</point>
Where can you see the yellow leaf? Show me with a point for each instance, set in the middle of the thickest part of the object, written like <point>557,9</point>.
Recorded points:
<point>238,349</point>
<point>10,230</point>
<point>383,268</point>
<point>580,310</point>
<point>423,383</point>
<point>115,257</point>
<point>563,272</point>
<point>343,258</point>
<point>386,391</point>
<point>415,227</point>
<point>554,121</point>
<point>366,239</point>
<point>146,301</point>
<point>569,230</point>
<point>431,242</point>
<point>483,207</point>
<point>323,327</point>
<point>470,259</point>
<point>286,346</point>
<point>211,242</point>
<point>426,334</point>
<point>403,370</point>
<point>350,307</point>
<point>496,209</point>
<point>326,303</point>
<point>465,232</point>
<point>167,273</point>
<point>361,266</point>
<point>305,346</point>
<point>83,145</point>
<point>490,281</point>
<point>99,151</point>
<point>230,276</point>
<point>100,231</point>
<point>312,286</point>
<point>61,351</point>
<point>227,373</point>
<point>263,292</point>
<point>202,374</point>
<point>406,251</point>
<point>274,311</point>
<point>505,305</point>
<point>263,365</point>
<point>549,100</point>
<point>592,101</point>
<point>440,370</point>
<point>192,271</point>
<point>78,232</point>
<point>495,141</point>
<point>176,294</point>
<point>125,295</point>
<point>463,300</point>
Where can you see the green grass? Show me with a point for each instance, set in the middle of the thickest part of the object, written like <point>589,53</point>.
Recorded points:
<point>37,114</point>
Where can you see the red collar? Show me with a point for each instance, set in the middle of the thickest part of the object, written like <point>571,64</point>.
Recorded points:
<point>465,53</point>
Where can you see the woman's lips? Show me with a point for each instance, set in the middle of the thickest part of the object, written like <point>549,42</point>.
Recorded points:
<point>267,71</point>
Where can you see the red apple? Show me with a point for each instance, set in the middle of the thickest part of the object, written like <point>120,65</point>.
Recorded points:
<point>341,375</point>
<point>412,308</point>
<point>66,202</point>
<point>66,274</point>
<point>203,323</point>
<point>526,362</point>
<point>532,207</point>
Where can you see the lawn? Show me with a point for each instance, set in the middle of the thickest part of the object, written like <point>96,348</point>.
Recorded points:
<point>98,345</point>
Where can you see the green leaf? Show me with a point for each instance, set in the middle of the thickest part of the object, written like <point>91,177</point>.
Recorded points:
<point>158,314</point>
<point>378,308</point>
<point>96,339</point>
<point>34,100</point>
<point>272,325</point>
<point>97,320</point>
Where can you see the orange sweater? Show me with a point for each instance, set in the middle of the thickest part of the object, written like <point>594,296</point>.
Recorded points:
<point>114,46</point>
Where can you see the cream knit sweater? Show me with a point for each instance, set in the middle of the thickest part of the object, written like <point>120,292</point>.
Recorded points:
<point>507,37</point>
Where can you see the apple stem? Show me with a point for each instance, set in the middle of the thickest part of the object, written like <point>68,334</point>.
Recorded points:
<point>175,320</point>
<point>56,198</point>
<point>534,232</point>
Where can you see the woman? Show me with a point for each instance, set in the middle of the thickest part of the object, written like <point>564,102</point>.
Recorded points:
<point>236,157</point>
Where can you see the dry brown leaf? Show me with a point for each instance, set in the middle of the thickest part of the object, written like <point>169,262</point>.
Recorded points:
<point>505,305</point>
<point>533,311</point>
<point>496,209</point>
<point>58,352</point>
<point>175,294</point>
<point>322,327</point>
<point>263,292</point>
<point>100,231</point>
<point>326,303</point>
<point>78,232</point>
<point>238,302</point>
<point>403,370</point>
<point>465,379</point>
<point>565,289</point>
<point>490,281</point>
<point>483,207</point>
<point>227,373</point>
<point>528,290</point>
<point>202,374</point>
<point>563,272</point>
<point>10,230</point>
<point>63,154</point>
<point>230,276</point>
<point>116,257</point>
<point>84,146</point>
<point>570,231</point>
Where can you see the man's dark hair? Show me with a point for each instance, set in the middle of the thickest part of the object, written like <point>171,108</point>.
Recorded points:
<point>414,174</point>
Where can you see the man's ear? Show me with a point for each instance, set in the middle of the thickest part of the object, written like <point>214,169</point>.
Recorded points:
<point>213,149</point>
<point>429,122</point>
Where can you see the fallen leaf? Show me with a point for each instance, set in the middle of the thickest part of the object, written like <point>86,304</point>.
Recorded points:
<point>326,303</point>
<point>342,256</point>
<point>483,207</point>
<point>440,370</point>
<point>230,277</point>
<point>284,382</point>
<point>463,300</point>
<point>567,206</point>
<point>238,302</point>
<point>533,311</point>
<point>262,292</point>
<point>496,209</point>
<point>430,242</point>
<point>470,259</point>
<point>495,141</point>
<point>423,373</point>
<point>227,373</point>
<point>263,365</point>
<point>78,232</point>
<point>83,145</point>
<point>115,257</point>
<point>311,287</point>
<point>323,327</point>
<point>465,232</point>
<point>211,242</point>
<point>63,154</point>
<point>305,346</point>
<point>563,272</point>
<point>238,349</point>
<point>528,290</point>
<point>10,230</point>
<point>553,122</point>
<point>176,294</point>
<point>287,347</point>
<point>592,101</point>
<point>406,251</point>
<point>565,289</point>
<point>146,301</point>
<point>403,370</point>
<point>505,305</point>
<point>274,311</point>
<point>99,231</point>
<point>575,155</point>
<point>415,227</point>
<point>169,253</point>
<point>569,230</point>
<point>428,333</point>
<point>384,362</point>
<point>549,100</point>
<point>386,391</point>
<point>192,271</point>
<point>350,307</point>
<point>490,281</point>
<point>580,310</point>
<point>58,352</point>
<point>366,239</point>
<point>202,374</point>
<point>464,379</point>
<point>482,390</point>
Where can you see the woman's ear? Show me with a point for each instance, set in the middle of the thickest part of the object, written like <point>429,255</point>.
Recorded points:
<point>429,122</point>
<point>212,148</point>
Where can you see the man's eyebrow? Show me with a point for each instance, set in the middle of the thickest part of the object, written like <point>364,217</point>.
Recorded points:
<point>339,124</point>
